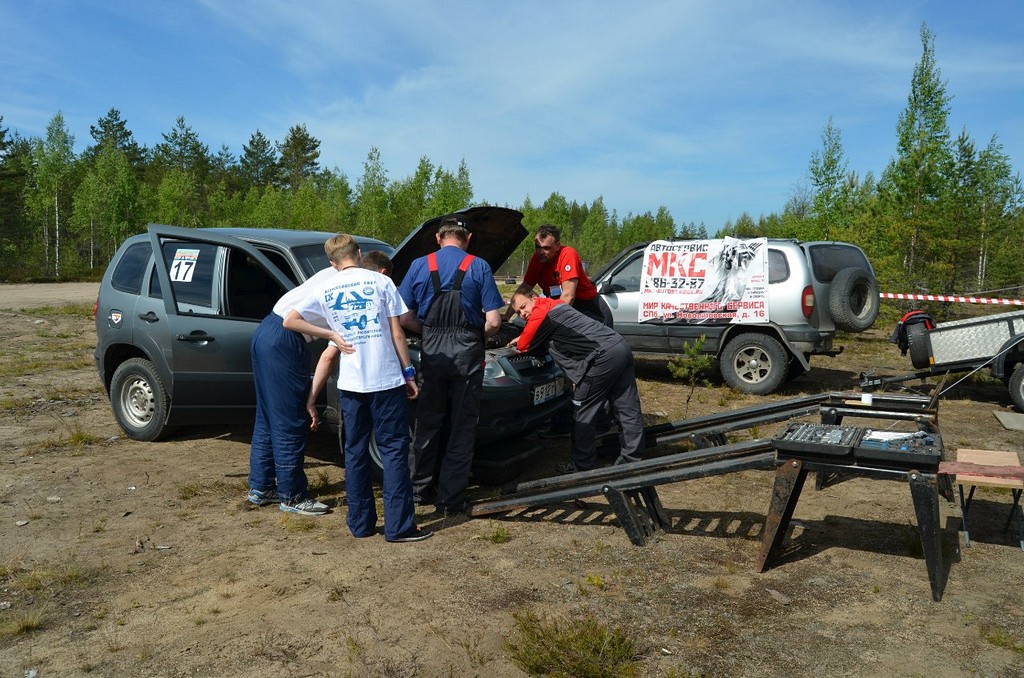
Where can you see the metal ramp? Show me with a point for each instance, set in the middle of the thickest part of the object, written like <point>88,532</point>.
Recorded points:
<point>630,488</point>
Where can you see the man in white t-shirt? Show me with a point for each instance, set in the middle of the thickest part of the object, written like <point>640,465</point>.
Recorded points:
<point>362,308</point>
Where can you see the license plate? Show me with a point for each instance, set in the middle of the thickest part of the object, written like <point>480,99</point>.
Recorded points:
<point>548,391</point>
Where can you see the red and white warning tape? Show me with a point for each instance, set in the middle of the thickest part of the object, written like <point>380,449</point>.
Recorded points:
<point>944,297</point>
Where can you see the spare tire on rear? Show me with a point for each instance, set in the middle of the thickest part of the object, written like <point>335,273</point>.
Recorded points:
<point>853,299</point>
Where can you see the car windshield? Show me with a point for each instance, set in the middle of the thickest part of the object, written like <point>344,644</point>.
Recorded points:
<point>312,258</point>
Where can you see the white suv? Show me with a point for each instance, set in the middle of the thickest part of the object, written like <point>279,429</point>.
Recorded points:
<point>814,289</point>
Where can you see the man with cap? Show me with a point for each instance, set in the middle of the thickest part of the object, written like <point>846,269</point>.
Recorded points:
<point>454,304</point>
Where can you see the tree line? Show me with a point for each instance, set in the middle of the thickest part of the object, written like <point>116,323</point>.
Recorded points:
<point>944,216</point>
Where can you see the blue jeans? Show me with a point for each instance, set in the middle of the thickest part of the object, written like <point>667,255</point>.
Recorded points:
<point>383,413</point>
<point>280,371</point>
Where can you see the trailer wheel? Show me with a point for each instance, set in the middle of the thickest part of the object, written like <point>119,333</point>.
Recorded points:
<point>1017,387</point>
<point>754,363</point>
<point>853,299</point>
<point>918,346</point>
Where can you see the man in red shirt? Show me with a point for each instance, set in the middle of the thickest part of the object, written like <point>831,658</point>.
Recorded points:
<point>599,363</point>
<point>559,271</point>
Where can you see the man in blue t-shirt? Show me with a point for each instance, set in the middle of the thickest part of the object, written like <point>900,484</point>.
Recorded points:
<point>454,304</point>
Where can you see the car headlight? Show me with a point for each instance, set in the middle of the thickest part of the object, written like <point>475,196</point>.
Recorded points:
<point>493,369</point>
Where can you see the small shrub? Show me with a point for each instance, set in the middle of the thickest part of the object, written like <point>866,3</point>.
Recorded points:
<point>500,535</point>
<point>20,624</point>
<point>690,366</point>
<point>583,648</point>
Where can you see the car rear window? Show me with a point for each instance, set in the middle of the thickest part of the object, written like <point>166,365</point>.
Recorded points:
<point>830,258</point>
<point>127,277</point>
<point>312,258</point>
<point>778,267</point>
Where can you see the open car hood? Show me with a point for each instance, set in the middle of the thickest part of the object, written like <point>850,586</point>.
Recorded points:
<point>497,232</point>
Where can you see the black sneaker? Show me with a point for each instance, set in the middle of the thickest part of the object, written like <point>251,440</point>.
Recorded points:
<point>450,511</point>
<point>419,534</point>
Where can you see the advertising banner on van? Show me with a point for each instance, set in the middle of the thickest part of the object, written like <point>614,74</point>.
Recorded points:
<point>705,281</point>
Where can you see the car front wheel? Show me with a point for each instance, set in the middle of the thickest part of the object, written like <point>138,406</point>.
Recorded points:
<point>754,363</point>
<point>139,399</point>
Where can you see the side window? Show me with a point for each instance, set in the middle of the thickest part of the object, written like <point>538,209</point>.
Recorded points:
<point>778,267</point>
<point>627,278</point>
<point>191,267</point>
<point>277,259</point>
<point>251,290</point>
<point>127,277</point>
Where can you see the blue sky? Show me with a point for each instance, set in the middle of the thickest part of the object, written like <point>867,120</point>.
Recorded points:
<point>711,109</point>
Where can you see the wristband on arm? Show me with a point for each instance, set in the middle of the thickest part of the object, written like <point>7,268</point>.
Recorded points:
<point>409,373</point>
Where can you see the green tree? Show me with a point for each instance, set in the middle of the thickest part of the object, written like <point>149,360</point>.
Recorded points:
<point>449,192</point>
<point>177,200</point>
<point>300,156</point>
<point>113,130</point>
<point>182,150</point>
<point>52,186</point>
<point>16,234</point>
<point>408,197</point>
<point>915,181</point>
<point>598,236</point>
<point>828,169</point>
<point>258,164</point>
<point>371,203</point>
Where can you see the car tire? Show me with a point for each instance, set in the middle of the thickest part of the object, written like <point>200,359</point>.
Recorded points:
<point>139,399</point>
<point>853,300</point>
<point>918,346</point>
<point>754,363</point>
<point>1017,387</point>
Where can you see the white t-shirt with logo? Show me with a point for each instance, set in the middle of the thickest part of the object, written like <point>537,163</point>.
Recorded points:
<point>358,304</point>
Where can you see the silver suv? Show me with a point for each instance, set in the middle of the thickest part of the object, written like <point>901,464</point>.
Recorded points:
<point>814,289</point>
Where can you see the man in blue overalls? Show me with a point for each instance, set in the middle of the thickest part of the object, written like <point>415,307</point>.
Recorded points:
<point>454,303</point>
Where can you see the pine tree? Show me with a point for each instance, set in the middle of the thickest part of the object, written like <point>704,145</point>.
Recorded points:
<point>300,155</point>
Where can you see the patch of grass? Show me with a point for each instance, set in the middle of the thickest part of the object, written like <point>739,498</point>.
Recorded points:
<point>583,648</point>
<point>298,523</point>
<point>721,583</point>
<point>597,581</point>
<point>21,623</point>
<point>72,361</point>
<point>320,483</point>
<point>71,310</point>
<point>55,579</point>
<point>1001,638</point>
<point>500,535</point>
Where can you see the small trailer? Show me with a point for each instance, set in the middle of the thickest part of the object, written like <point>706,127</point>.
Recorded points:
<point>994,341</point>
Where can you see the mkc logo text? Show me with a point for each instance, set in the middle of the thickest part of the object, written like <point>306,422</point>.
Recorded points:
<point>677,264</point>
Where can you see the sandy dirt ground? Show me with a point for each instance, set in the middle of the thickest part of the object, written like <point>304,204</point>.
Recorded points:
<point>123,558</point>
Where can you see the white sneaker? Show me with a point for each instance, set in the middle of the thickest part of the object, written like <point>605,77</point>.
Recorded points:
<point>306,507</point>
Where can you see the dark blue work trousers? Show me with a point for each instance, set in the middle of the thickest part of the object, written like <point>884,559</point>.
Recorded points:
<point>384,414</point>
<point>280,370</point>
